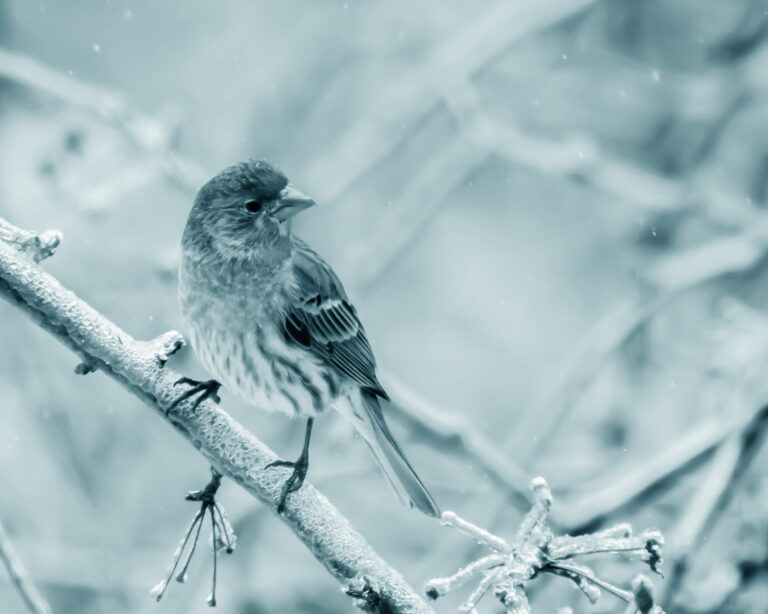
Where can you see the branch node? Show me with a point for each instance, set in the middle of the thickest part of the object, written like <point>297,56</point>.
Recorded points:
<point>367,596</point>
<point>84,368</point>
<point>37,246</point>
<point>166,345</point>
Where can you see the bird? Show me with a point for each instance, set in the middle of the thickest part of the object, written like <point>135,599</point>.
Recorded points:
<point>269,318</point>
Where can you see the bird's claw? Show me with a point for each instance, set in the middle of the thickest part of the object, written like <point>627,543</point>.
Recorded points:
<point>294,481</point>
<point>208,389</point>
<point>300,467</point>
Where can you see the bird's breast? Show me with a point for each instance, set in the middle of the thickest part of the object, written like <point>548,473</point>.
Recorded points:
<point>234,323</point>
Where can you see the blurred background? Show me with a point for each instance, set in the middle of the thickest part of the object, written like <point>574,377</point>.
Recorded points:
<point>550,215</point>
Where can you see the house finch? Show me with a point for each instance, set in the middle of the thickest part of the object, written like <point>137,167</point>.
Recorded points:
<point>270,319</point>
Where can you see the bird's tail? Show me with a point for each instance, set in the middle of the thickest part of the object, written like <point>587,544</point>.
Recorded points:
<point>372,427</point>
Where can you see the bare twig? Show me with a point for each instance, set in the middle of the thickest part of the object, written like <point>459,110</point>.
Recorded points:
<point>223,537</point>
<point>536,550</point>
<point>228,446</point>
<point>20,578</point>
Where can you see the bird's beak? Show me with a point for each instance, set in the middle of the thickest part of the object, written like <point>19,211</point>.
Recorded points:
<point>290,202</point>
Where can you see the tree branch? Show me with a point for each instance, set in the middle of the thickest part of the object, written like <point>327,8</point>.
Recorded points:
<point>228,446</point>
<point>20,578</point>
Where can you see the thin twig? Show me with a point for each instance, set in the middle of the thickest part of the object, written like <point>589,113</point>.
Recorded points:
<point>228,446</point>
<point>212,597</point>
<point>480,535</point>
<point>159,591</point>
<point>482,588</point>
<point>183,575</point>
<point>578,571</point>
<point>20,578</point>
<point>442,586</point>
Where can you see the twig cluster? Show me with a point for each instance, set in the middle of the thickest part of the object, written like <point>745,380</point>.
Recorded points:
<point>535,550</point>
<point>222,537</point>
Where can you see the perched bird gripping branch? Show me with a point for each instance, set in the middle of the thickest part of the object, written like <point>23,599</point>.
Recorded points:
<point>270,320</point>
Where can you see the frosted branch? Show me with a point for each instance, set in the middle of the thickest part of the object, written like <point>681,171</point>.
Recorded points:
<point>38,246</point>
<point>535,550</point>
<point>228,446</point>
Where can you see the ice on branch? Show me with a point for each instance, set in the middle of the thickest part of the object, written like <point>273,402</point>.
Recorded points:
<point>510,566</point>
<point>38,246</point>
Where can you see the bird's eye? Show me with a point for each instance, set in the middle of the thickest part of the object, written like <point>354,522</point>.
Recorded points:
<point>254,206</point>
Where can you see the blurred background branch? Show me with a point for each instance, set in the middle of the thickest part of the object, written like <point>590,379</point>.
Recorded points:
<point>551,216</point>
<point>20,578</point>
<point>154,137</point>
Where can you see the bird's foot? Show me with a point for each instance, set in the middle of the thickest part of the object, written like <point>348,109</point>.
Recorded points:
<point>208,389</point>
<point>223,536</point>
<point>295,480</point>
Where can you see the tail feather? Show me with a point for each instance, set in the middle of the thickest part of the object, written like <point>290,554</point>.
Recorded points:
<point>390,457</point>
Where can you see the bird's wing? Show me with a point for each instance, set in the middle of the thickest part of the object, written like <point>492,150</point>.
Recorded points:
<point>322,320</point>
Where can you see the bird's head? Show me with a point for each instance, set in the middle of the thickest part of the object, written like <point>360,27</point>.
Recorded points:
<point>243,207</point>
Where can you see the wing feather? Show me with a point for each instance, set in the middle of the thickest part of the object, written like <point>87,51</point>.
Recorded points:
<point>321,319</point>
